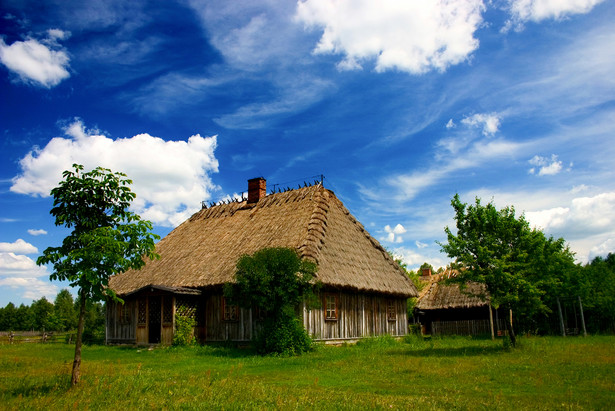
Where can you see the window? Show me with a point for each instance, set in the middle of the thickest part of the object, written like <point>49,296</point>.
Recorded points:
<point>167,309</point>
<point>391,311</point>
<point>330,307</point>
<point>123,313</point>
<point>230,312</point>
<point>142,314</point>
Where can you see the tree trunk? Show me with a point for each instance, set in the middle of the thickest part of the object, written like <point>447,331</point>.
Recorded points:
<point>509,328</point>
<point>77,362</point>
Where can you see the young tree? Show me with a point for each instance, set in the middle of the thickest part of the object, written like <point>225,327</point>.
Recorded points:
<point>517,264</point>
<point>276,281</point>
<point>106,237</point>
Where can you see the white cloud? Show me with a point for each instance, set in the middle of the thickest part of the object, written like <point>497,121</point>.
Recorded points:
<point>394,234</point>
<point>19,246</point>
<point>490,123</point>
<point>547,167</point>
<point>41,63</point>
<point>34,232</point>
<point>414,260</point>
<point>21,266</point>
<point>450,124</point>
<point>420,245</point>
<point>409,36</point>
<point>31,288</point>
<point>170,178</point>
<point>538,10</point>
<point>602,249</point>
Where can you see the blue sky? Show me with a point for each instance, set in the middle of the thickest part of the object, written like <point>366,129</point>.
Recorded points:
<point>399,104</point>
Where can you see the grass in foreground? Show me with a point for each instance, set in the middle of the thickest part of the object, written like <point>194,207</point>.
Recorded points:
<point>543,373</point>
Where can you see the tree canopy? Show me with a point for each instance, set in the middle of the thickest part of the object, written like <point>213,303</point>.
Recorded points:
<point>519,265</point>
<point>106,238</point>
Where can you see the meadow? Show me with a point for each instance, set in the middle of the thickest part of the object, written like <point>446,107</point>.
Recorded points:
<point>461,373</point>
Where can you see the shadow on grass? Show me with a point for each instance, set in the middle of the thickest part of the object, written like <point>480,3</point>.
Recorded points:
<point>224,351</point>
<point>450,352</point>
<point>26,387</point>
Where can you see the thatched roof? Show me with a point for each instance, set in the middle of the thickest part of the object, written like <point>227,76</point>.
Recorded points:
<point>438,295</point>
<point>203,251</point>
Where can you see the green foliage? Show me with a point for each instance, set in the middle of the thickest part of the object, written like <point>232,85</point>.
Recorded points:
<point>595,283</point>
<point>42,311</point>
<point>184,329</point>
<point>106,238</point>
<point>276,280</point>
<point>518,265</point>
<point>94,322</point>
<point>283,335</point>
<point>65,311</point>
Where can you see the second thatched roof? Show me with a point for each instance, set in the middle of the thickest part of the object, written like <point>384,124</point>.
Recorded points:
<point>438,295</point>
<point>203,251</point>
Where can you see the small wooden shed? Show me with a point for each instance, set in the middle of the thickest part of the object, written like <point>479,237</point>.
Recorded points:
<point>364,291</point>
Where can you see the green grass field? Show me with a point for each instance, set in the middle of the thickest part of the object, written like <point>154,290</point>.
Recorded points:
<point>462,373</point>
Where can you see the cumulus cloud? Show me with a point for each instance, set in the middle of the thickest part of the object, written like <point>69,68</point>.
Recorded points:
<point>19,246</point>
<point>583,216</point>
<point>538,10</point>
<point>490,123</point>
<point>409,36</point>
<point>602,249</point>
<point>21,266</point>
<point>39,62</point>
<point>31,288</point>
<point>394,234</point>
<point>34,232</point>
<point>415,259</point>
<point>546,166</point>
<point>170,178</point>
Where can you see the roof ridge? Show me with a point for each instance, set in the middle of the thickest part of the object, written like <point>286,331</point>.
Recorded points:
<point>317,226</point>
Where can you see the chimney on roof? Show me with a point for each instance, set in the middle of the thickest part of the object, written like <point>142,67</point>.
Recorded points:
<point>257,189</point>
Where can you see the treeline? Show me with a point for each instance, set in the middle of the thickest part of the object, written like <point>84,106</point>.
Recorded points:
<point>594,285</point>
<point>61,315</point>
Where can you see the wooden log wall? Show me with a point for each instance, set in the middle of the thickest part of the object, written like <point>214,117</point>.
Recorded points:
<point>359,315</point>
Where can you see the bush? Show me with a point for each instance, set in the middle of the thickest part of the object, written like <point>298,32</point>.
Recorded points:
<point>284,335</point>
<point>184,329</point>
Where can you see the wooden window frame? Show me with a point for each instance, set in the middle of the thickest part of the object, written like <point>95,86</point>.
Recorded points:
<point>331,314</point>
<point>391,311</point>
<point>142,311</point>
<point>123,313</point>
<point>232,314</point>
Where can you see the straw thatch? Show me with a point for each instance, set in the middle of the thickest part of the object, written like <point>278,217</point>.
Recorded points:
<point>203,251</point>
<point>438,295</point>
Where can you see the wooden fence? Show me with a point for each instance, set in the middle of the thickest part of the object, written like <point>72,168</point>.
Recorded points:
<point>466,327</point>
<point>19,337</point>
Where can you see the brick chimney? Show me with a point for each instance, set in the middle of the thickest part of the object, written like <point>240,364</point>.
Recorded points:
<point>257,189</point>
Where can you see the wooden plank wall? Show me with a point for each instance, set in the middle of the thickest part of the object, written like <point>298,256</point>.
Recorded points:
<point>217,329</point>
<point>359,315</point>
<point>121,331</point>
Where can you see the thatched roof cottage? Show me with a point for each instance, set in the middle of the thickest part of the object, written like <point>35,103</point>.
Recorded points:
<point>364,291</point>
<point>444,308</point>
